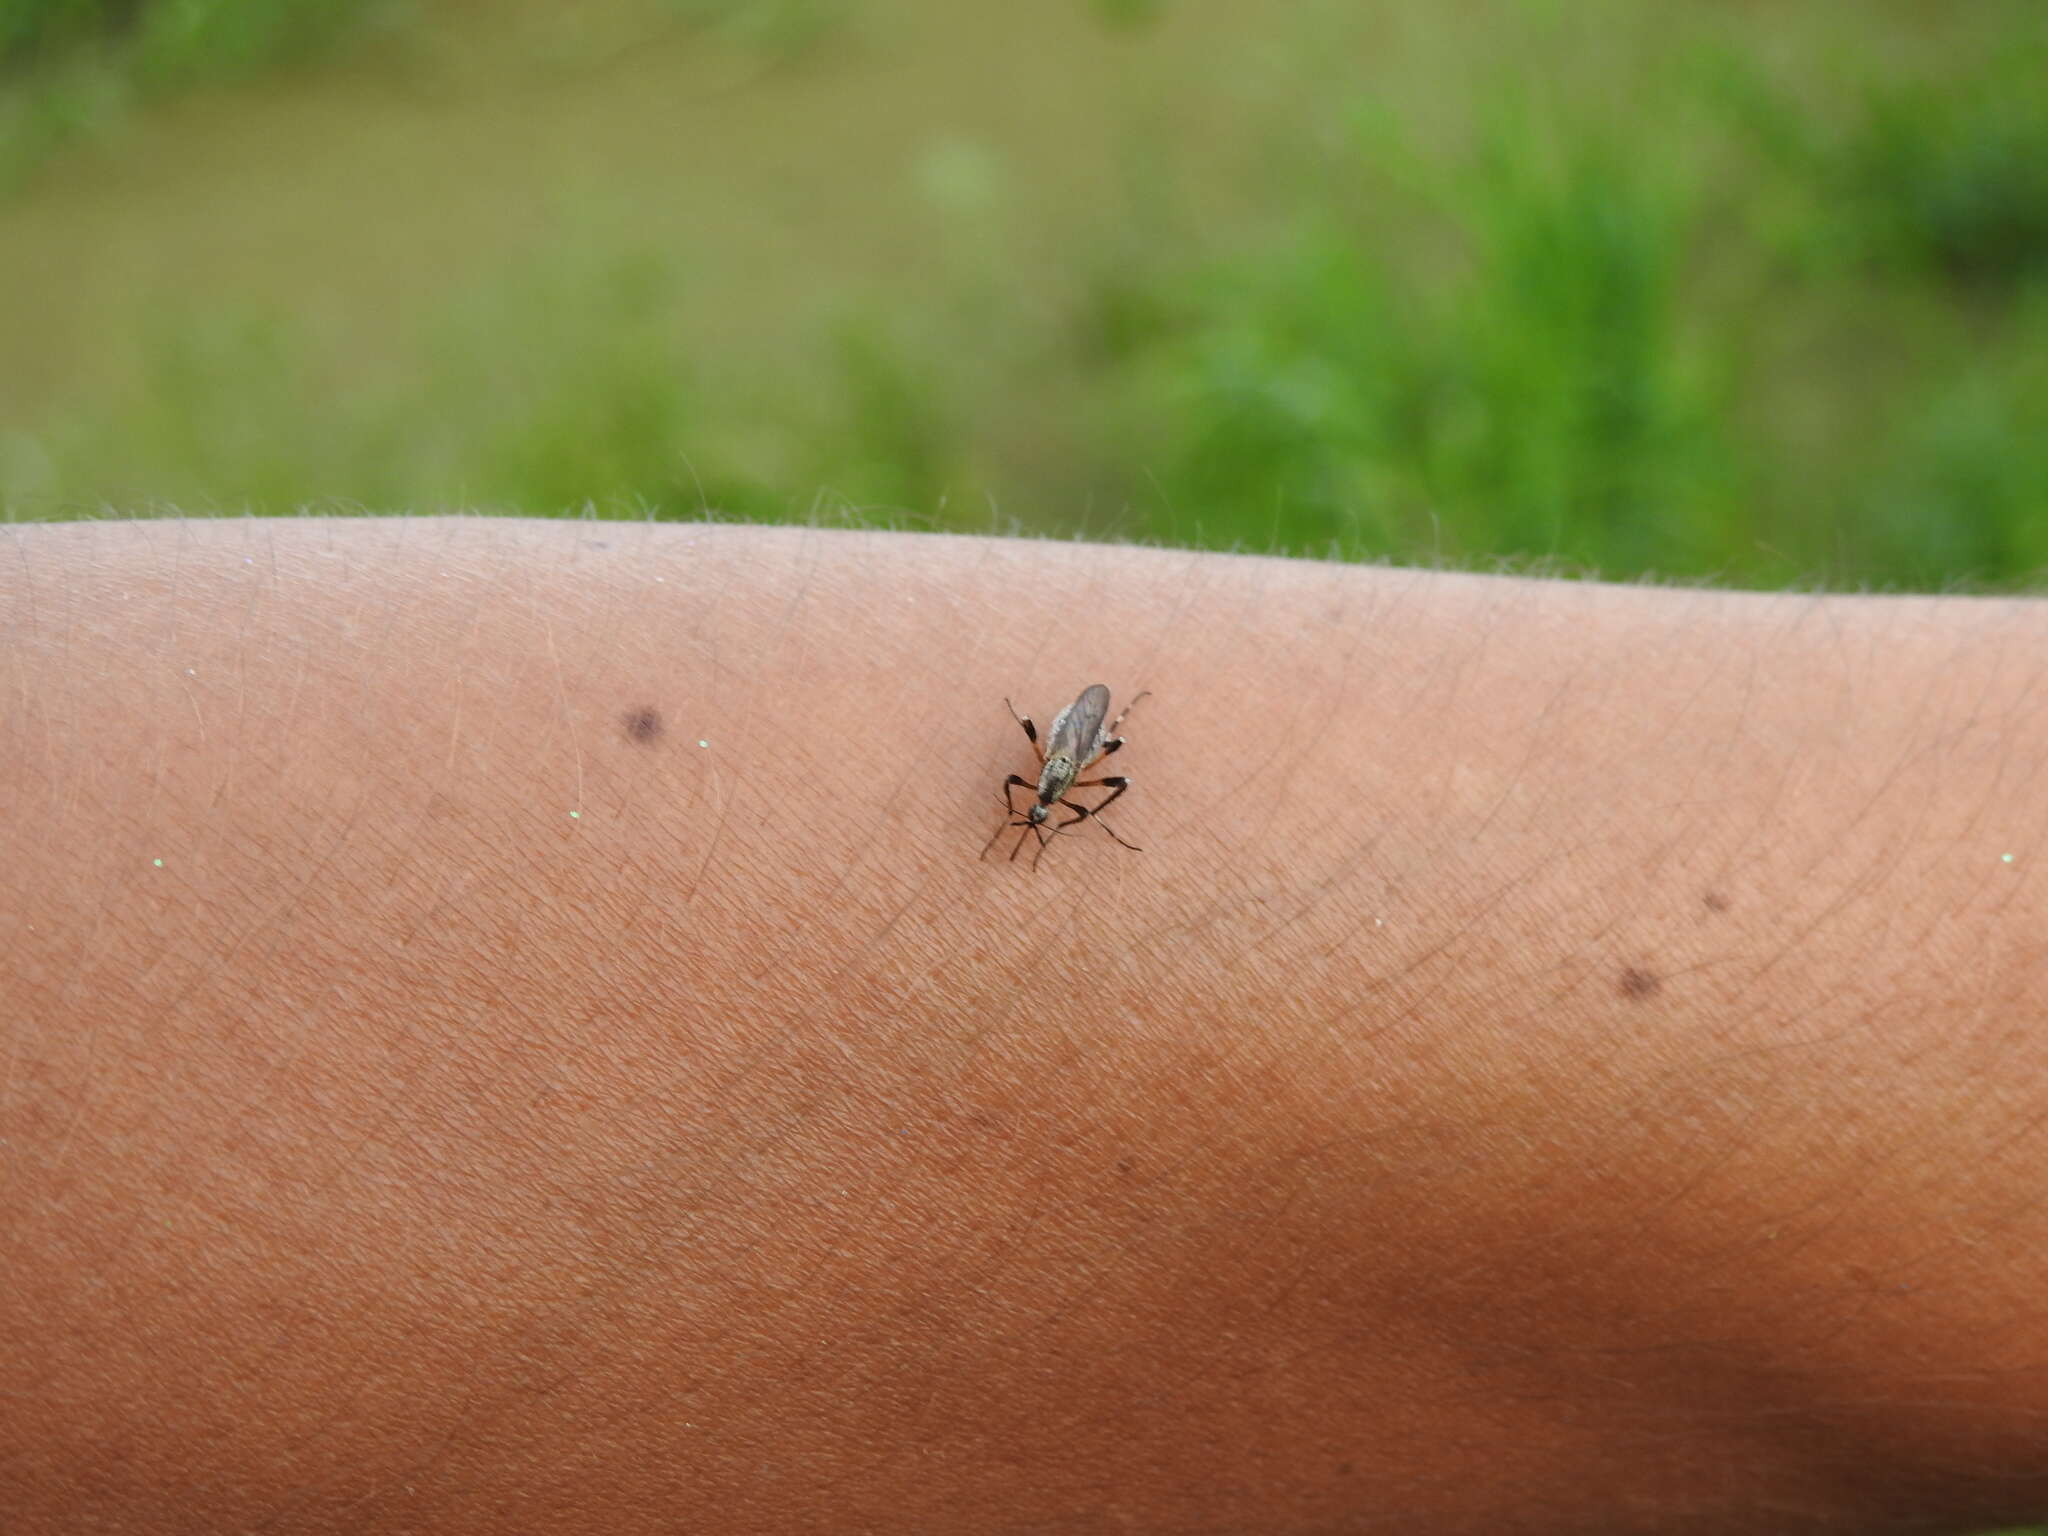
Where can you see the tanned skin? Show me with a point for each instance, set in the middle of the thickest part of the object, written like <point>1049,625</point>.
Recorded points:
<point>503,1028</point>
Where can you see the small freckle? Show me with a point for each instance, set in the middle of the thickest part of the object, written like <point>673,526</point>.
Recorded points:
<point>1638,983</point>
<point>643,724</point>
<point>1714,901</point>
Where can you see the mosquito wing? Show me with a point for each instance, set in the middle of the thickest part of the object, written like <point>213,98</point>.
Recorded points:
<point>1077,730</point>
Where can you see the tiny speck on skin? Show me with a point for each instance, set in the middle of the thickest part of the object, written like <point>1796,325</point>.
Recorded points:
<point>643,724</point>
<point>575,815</point>
<point>703,743</point>
<point>159,863</point>
<point>1637,983</point>
<point>1714,901</point>
<point>2005,858</point>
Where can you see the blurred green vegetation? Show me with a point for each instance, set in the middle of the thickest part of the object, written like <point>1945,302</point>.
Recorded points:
<point>1678,288</point>
<point>172,43</point>
<point>70,68</point>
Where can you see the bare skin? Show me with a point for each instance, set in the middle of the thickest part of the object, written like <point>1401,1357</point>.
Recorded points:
<point>502,1027</point>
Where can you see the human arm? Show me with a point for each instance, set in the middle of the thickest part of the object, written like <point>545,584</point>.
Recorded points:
<point>1566,1057</point>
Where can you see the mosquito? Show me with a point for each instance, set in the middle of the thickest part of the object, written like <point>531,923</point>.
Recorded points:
<point>1077,741</point>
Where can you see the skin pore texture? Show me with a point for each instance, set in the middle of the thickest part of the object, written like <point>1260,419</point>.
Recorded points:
<point>502,1027</point>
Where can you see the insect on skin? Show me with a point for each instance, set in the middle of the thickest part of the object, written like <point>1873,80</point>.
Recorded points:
<point>1077,741</point>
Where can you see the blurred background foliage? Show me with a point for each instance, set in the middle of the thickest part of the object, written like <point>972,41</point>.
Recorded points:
<point>1684,287</point>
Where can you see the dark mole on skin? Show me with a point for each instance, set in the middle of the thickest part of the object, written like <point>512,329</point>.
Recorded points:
<point>1714,901</point>
<point>1638,983</point>
<point>643,724</point>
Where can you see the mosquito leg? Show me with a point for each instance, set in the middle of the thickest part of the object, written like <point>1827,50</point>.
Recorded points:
<point>1030,730</point>
<point>1082,812</point>
<point>1088,815</point>
<point>1013,782</point>
<point>1030,826</point>
<point>1110,740</point>
<point>1117,836</point>
<point>1015,821</point>
<point>1116,785</point>
<point>1044,842</point>
<point>1115,781</point>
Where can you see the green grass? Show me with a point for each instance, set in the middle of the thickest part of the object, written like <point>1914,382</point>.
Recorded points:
<point>1629,288</point>
<point>1543,391</point>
